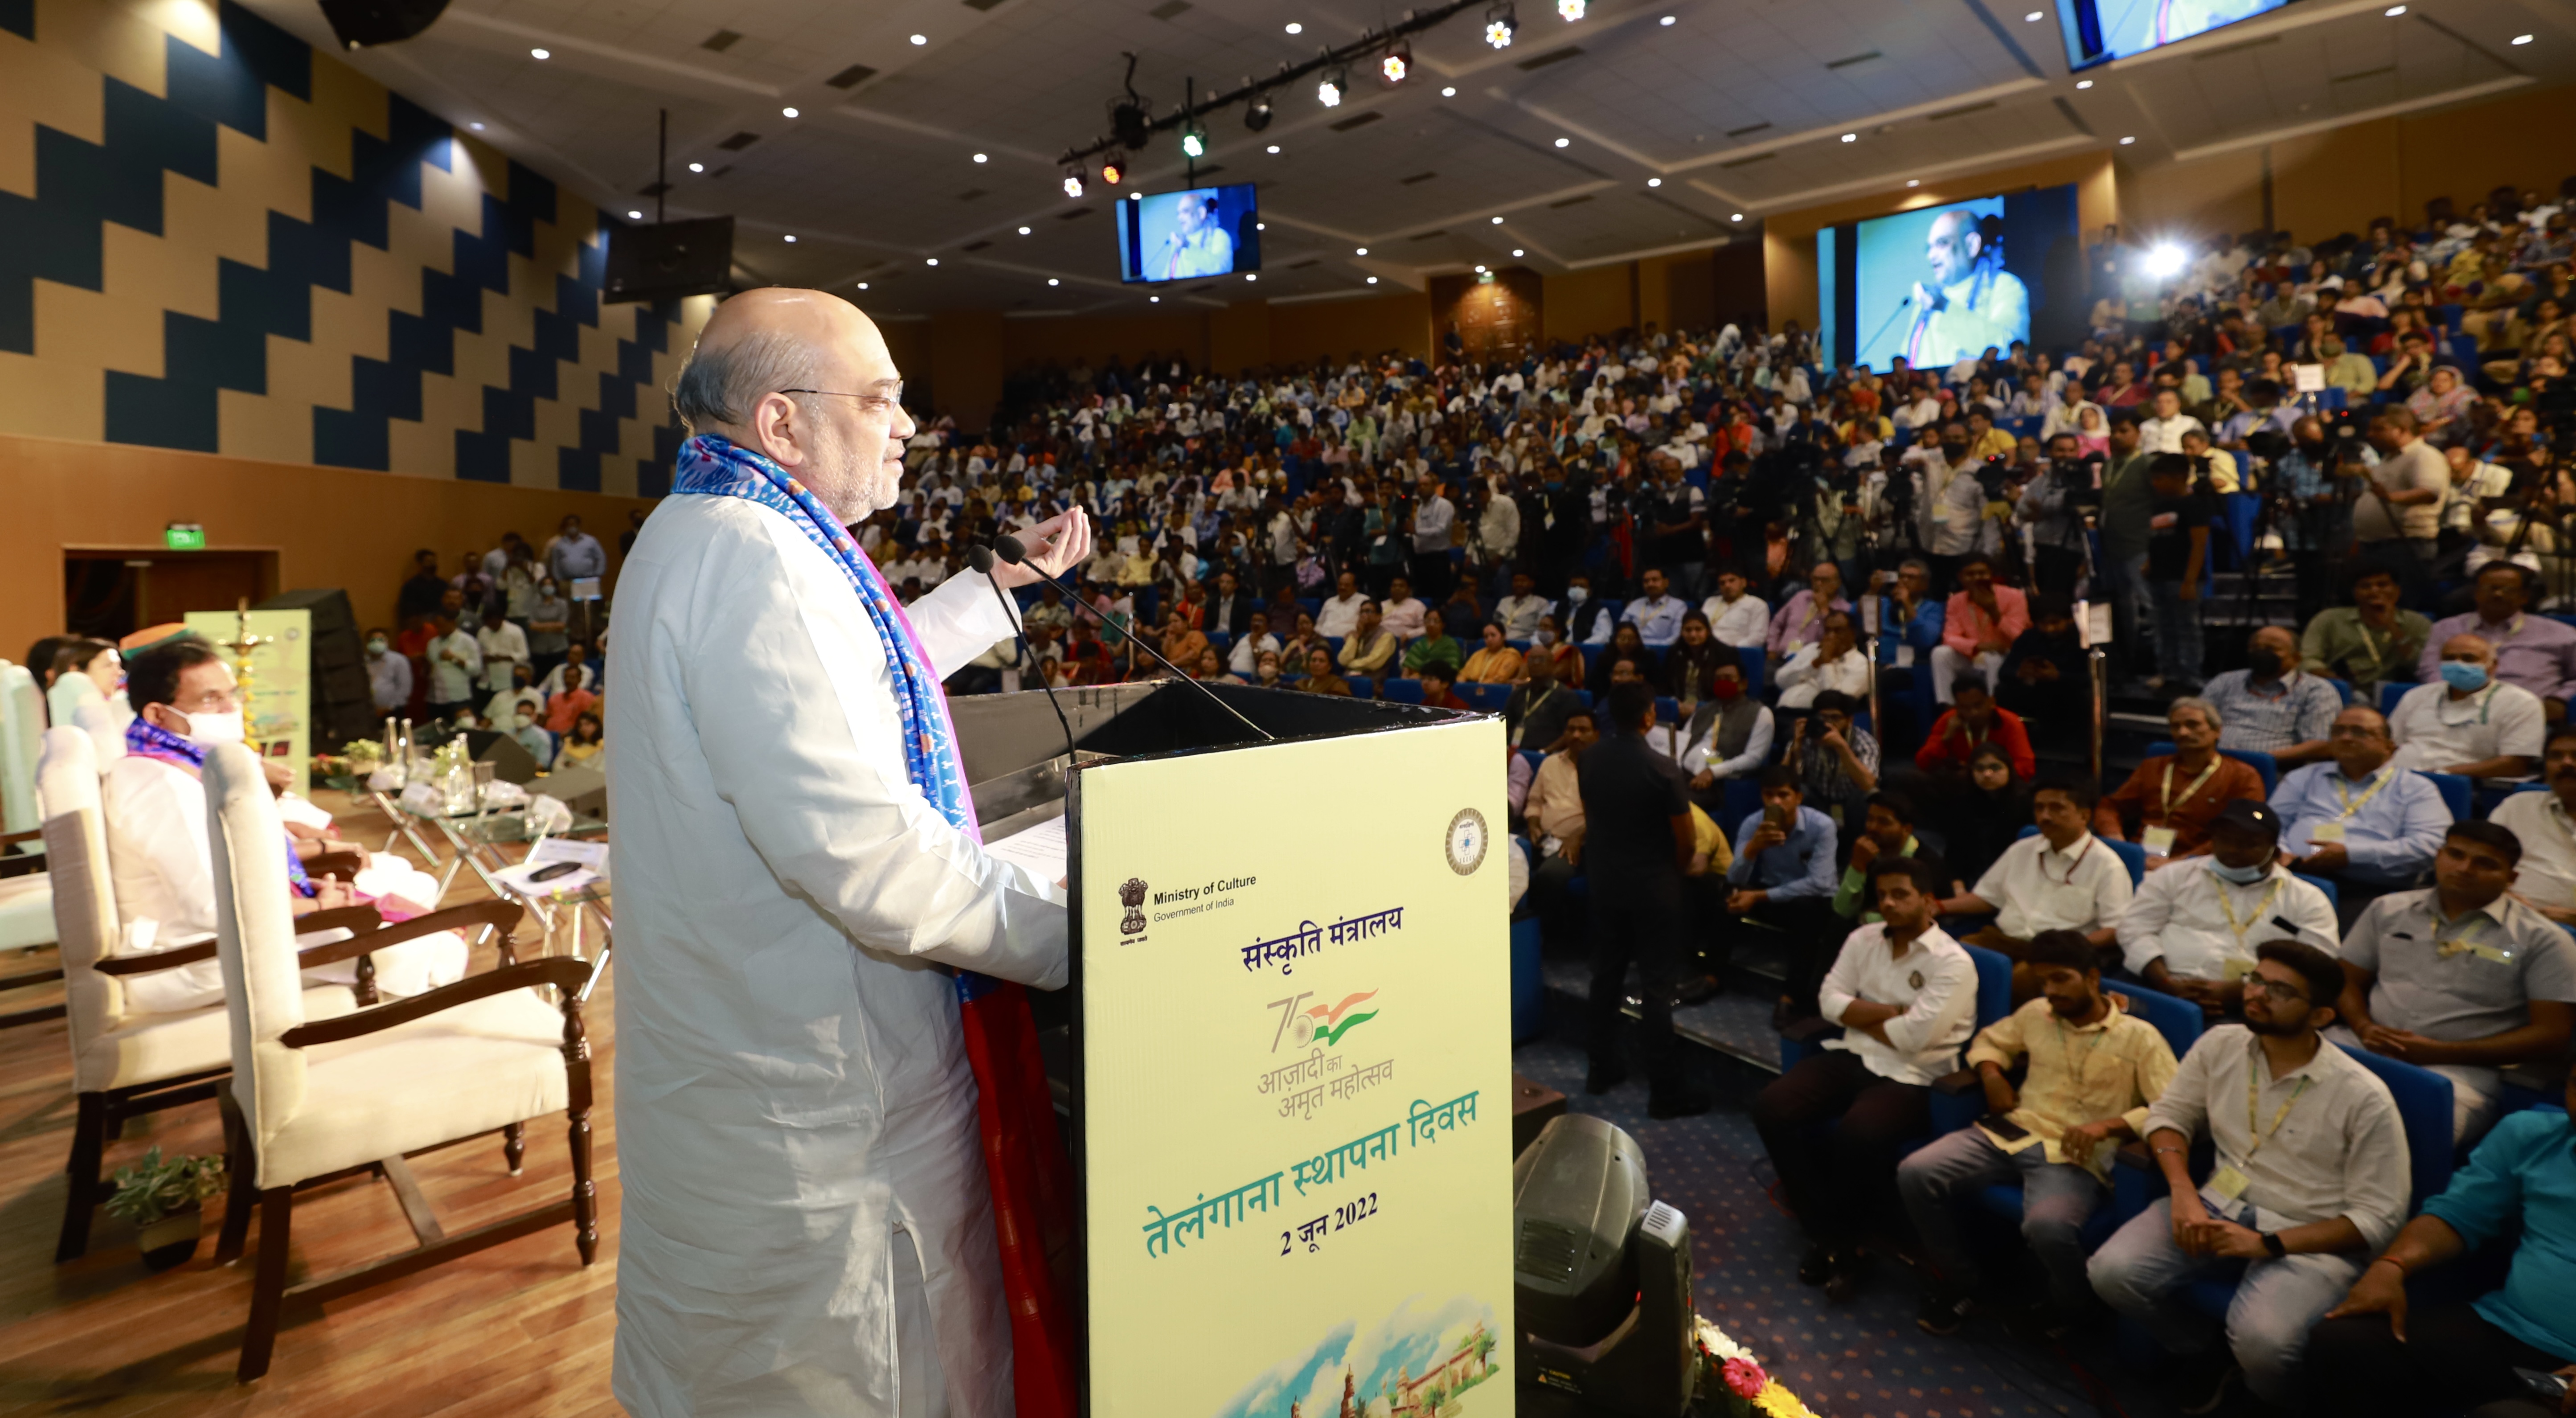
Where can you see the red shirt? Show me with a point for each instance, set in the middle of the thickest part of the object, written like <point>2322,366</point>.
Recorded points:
<point>1940,749</point>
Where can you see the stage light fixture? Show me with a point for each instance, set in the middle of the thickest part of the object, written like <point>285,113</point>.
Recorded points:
<point>1329,89</point>
<point>2166,261</point>
<point>933,261</point>
<point>1739,216</point>
<point>1073,182</point>
<point>1256,114</point>
<point>1363,251</point>
<point>983,157</point>
<point>1851,137</point>
<point>1194,143</point>
<point>1669,21</point>
<point>1500,25</point>
<point>1053,281</point>
<point>1570,10</point>
<point>1498,221</point>
<point>1296,28</point>
<point>1113,172</point>
<point>1397,63</point>
<point>921,39</point>
<point>863,285</point>
<point>787,113</point>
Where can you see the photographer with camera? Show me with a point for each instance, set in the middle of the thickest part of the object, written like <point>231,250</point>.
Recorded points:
<point>2054,505</point>
<point>2400,511</point>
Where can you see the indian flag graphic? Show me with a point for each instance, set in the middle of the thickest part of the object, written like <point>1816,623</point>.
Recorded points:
<point>1325,1024</point>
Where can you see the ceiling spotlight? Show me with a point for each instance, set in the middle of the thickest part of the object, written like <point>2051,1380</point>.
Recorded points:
<point>1851,137</point>
<point>1053,281</point>
<point>1448,93</point>
<point>786,113</point>
<point>1256,115</point>
<point>1135,196</point>
<point>1654,182</point>
<point>1517,252</point>
<point>1914,182</point>
<point>540,54</point>
<point>1113,172</point>
<point>1565,142</point>
<point>1251,275</point>
<point>2518,39</point>
<point>697,167</point>
<point>1024,231</point>
<point>2084,83</point>
<point>2031,19</point>
<point>2394,11</point>
<point>863,285</point>
<point>1274,150</point>
<point>1261,226</point>
<point>477,127</point>
<point>791,238</point>
<point>933,261</point>
<point>2124,142</point>
<point>1739,216</point>
<point>1480,270</point>
<point>1372,280</point>
<point>1194,143</point>
<point>1328,89</point>
<point>1498,221</point>
<point>1500,25</point>
<point>1666,20</point>
<point>635,216</point>
<point>983,157</point>
<point>1570,10</point>
<point>921,39</point>
<point>1153,300</point>
<point>1073,182</point>
<point>1397,63</point>
<point>1296,28</point>
<point>1362,251</point>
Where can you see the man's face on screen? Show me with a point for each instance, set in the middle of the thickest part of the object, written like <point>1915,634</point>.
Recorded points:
<point>1946,249</point>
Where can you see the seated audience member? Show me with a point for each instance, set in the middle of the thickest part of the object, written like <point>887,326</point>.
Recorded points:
<point>1583,620</point>
<point>2546,826</point>
<point>1802,620</point>
<point>2461,978</point>
<point>531,735</point>
<point>1320,678</point>
<point>2046,676</point>
<point>578,696</point>
<point>1403,613</point>
<point>1554,814</point>
<point>1735,615</point>
<point>1693,658</point>
<point>1831,662</point>
<point>1886,831</point>
<point>162,862</point>
<point>2376,1353</point>
<point>582,746</point>
<point>1181,642</point>
<point>1656,613</point>
<point>2186,930</point>
<point>1971,720</point>
<point>2470,723</point>
<point>1836,760</point>
<point>1462,612</point>
<point>2167,804</point>
<point>1906,997</point>
<point>2092,1074</point>
<point>2290,1212</point>
<point>1436,693</point>
<point>1370,649</point>
<point>1728,735</point>
<point>1340,613</point>
<point>2272,706</point>
<point>1984,816</point>
<point>1636,845</point>
<point>1434,647</point>
<point>85,671</point>
<point>2360,820</point>
<point>1518,613</point>
<point>1784,878</point>
<point>576,657</point>
<point>1265,672</point>
<point>2370,642</point>
<point>1494,661</point>
<point>1535,714</point>
<point>1910,620</point>
<point>1552,646</point>
<point>2058,879</point>
<point>2532,651</point>
<point>1978,626</point>
<point>1244,658</point>
<point>1212,668</point>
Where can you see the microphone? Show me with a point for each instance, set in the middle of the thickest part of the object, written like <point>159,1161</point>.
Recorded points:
<point>1012,550</point>
<point>981,559</point>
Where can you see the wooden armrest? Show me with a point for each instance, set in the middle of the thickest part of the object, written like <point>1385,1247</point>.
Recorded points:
<point>1809,1029</point>
<point>344,864</point>
<point>1955,1084</point>
<point>12,838</point>
<point>561,971</point>
<point>361,917</point>
<point>157,960</point>
<point>501,915</point>
<point>2134,1153</point>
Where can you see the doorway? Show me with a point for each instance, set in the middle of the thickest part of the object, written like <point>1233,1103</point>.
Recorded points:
<point>110,594</point>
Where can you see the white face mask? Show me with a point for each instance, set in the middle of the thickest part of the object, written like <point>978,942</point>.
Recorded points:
<point>1577,595</point>
<point>208,730</point>
<point>375,647</point>
<point>526,722</point>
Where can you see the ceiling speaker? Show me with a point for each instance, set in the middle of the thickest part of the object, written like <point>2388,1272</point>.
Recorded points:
<point>360,23</point>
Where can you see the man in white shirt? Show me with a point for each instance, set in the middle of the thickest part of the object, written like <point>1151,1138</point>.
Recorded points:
<point>2545,824</point>
<point>1340,613</point>
<point>1736,616</point>
<point>1834,662</point>
<point>2192,927</point>
<point>1906,997</point>
<point>502,645</point>
<point>2163,431</point>
<point>1519,613</point>
<point>1250,646</point>
<point>388,674</point>
<point>2471,723</point>
<point>2289,1213</point>
<point>1657,615</point>
<point>1432,517</point>
<point>1402,612</point>
<point>2061,879</point>
<point>455,663</point>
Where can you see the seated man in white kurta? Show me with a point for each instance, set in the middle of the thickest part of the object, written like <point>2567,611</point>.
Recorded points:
<point>162,862</point>
<point>807,1224</point>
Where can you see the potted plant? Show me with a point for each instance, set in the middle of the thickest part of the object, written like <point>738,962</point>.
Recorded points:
<point>163,1200</point>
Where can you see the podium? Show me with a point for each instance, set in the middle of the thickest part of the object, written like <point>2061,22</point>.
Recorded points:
<point>1285,1054</point>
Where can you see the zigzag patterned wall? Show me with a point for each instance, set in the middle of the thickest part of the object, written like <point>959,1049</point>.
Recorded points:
<point>213,238</point>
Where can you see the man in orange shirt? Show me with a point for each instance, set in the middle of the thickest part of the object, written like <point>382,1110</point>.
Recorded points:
<point>2168,803</point>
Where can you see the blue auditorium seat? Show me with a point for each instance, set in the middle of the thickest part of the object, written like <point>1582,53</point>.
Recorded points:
<point>1529,983</point>
<point>2179,1021</point>
<point>1403,691</point>
<point>2457,793</point>
<point>1487,697</point>
<point>1362,687</point>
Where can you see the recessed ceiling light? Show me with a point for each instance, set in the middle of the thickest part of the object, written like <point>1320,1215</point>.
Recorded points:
<point>1154,300</point>
<point>1296,28</point>
<point>697,167</point>
<point>933,261</point>
<point>1372,280</point>
<point>921,39</point>
<point>979,157</point>
<point>863,285</point>
<point>1737,217</point>
<point>1851,137</point>
<point>791,240</point>
<point>2124,142</point>
<point>1053,281</point>
<point>1261,226</point>
<point>1666,20</point>
<point>1654,182</point>
<point>1565,142</point>
<point>1251,275</point>
<point>2084,83</point>
<point>477,127</point>
<point>635,216</point>
<point>1914,182</point>
<point>1135,196</point>
<point>2394,11</point>
<point>1024,231</point>
<point>1498,221</point>
<point>1448,93</point>
<point>2031,19</point>
<point>787,113</point>
<point>1274,149</point>
<point>1517,252</point>
<point>1480,270</point>
<point>1363,251</point>
<point>2518,39</point>
<point>540,54</point>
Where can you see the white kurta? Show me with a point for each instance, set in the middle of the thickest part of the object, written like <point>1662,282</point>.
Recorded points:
<point>792,1084</point>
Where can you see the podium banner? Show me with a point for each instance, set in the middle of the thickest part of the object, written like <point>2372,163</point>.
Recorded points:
<point>1296,1079</point>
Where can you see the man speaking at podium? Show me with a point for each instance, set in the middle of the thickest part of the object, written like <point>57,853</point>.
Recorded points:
<point>807,1225</point>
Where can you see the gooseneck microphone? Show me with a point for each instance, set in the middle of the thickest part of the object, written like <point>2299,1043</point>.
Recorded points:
<point>1012,550</point>
<point>981,559</point>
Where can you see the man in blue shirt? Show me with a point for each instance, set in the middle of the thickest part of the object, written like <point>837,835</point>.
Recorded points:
<point>1783,878</point>
<point>2454,1357</point>
<point>2359,820</point>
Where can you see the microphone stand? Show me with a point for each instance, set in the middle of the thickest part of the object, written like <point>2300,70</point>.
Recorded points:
<point>1010,549</point>
<point>981,559</point>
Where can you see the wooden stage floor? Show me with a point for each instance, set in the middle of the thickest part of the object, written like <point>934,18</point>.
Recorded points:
<point>521,1329</point>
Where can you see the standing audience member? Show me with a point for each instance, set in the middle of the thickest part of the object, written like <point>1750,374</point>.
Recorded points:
<point>2370,642</point>
<point>455,662</point>
<point>2168,802</point>
<point>2471,723</point>
<point>1906,997</point>
<point>2532,651</point>
<point>2177,546</point>
<point>577,697</point>
<point>2291,1212</point>
<point>2272,706</point>
<point>2461,978</point>
<point>503,646</point>
<point>388,675</point>
<point>2189,930</point>
<point>2360,820</point>
<point>2400,510</point>
<point>2093,1070</point>
<point>1635,847</point>
<point>549,628</point>
<point>1554,812</point>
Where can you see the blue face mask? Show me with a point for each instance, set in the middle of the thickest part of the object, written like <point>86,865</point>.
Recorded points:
<point>2241,876</point>
<point>2466,678</point>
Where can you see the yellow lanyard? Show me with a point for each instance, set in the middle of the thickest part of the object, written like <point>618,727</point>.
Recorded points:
<point>2352,804</point>
<point>2377,656</point>
<point>2205,775</point>
<point>2226,904</point>
<point>2254,1070</point>
<point>2464,938</point>
<point>2066,1046</point>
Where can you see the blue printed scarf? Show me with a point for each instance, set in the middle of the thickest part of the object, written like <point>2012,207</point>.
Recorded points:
<point>145,739</point>
<point>710,466</point>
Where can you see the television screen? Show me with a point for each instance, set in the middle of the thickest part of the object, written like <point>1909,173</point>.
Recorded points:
<point>1182,236</point>
<point>1937,285</point>
<point>2099,31</point>
<point>668,261</point>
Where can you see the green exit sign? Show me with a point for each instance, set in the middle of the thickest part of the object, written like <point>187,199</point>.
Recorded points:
<point>184,536</point>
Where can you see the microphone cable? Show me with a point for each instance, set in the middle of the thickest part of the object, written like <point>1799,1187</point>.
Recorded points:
<point>1012,550</point>
<point>983,560</point>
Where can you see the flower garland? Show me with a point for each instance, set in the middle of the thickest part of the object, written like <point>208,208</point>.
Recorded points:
<point>1728,1369</point>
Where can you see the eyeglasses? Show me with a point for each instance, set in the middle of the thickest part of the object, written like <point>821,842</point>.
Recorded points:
<point>873,403</point>
<point>2279,992</point>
